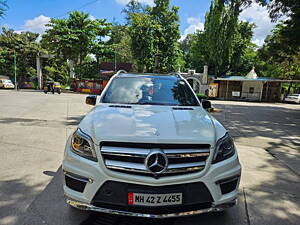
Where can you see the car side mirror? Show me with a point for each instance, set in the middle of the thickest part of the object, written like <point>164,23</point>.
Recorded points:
<point>91,100</point>
<point>206,104</point>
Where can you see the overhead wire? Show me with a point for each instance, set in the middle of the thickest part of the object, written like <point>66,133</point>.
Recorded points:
<point>81,7</point>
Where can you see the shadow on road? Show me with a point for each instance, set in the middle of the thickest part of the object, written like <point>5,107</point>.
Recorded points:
<point>269,190</point>
<point>13,204</point>
<point>106,219</point>
<point>271,171</point>
<point>273,128</point>
<point>70,121</point>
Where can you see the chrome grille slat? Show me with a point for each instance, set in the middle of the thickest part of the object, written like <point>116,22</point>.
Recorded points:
<point>186,165</point>
<point>130,158</point>
<point>184,170</point>
<point>192,151</point>
<point>124,154</point>
<point>125,165</point>
<point>187,155</point>
<point>135,151</point>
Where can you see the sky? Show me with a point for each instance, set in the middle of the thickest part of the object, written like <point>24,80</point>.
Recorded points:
<point>32,15</point>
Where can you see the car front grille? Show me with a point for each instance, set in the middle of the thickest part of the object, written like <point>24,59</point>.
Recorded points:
<point>130,157</point>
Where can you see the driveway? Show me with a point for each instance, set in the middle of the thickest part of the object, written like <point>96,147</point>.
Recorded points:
<point>34,128</point>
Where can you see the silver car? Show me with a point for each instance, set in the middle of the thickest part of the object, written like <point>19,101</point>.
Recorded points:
<point>295,98</point>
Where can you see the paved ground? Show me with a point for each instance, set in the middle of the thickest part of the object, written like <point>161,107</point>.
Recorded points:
<point>34,127</point>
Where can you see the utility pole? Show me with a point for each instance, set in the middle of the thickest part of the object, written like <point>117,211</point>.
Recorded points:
<point>15,67</point>
<point>157,63</point>
<point>115,61</point>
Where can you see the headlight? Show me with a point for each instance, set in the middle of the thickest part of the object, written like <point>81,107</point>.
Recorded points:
<point>82,145</point>
<point>224,149</point>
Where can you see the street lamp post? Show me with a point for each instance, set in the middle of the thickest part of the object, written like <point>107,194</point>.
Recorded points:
<point>15,68</point>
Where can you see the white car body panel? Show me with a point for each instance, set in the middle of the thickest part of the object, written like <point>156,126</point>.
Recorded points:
<point>156,124</point>
<point>293,98</point>
<point>7,84</point>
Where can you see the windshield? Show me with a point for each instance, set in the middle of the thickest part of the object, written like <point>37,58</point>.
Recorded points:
<point>150,91</point>
<point>7,82</point>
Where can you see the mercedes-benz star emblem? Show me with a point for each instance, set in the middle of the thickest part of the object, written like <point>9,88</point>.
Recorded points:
<point>156,162</point>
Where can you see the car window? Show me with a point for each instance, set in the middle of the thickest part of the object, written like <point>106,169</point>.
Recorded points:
<point>150,91</point>
<point>294,95</point>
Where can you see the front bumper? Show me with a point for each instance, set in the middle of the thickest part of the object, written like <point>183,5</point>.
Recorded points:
<point>89,207</point>
<point>95,175</point>
<point>9,87</point>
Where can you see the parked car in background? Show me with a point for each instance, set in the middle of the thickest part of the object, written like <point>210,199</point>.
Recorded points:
<point>7,84</point>
<point>295,98</point>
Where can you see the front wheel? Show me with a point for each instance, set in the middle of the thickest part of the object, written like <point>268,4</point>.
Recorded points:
<point>45,92</point>
<point>58,91</point>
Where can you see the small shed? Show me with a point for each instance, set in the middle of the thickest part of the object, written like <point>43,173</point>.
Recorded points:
<point>249,88</point>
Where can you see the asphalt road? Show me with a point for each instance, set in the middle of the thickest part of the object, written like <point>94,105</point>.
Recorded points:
<point>34,128</point>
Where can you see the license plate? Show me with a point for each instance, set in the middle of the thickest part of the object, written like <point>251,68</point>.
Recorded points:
<point>154,199</point>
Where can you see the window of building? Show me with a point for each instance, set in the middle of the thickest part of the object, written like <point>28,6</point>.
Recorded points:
<point>251,90</point>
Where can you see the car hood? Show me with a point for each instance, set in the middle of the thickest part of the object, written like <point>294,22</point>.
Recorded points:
<point>152,124</point>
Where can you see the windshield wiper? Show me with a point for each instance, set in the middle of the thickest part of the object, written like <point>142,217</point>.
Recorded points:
<point>155,103</point>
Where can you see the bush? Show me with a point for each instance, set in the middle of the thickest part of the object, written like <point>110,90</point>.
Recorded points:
<point>202,96</point>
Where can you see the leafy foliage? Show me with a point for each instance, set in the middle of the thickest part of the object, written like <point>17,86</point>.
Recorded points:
<point>24,46</point>
<point>167,35</point>
<point>3,7</point>
<point>75,37</point>
<point>151,34</point>
<point>143,40</point>
<point>193,48</point>
<point>224,45</point>
<point>120,44</point>
<point>278,58</point>
<point>156,34</point>
<point>290,9</point>
<point>133,7</point>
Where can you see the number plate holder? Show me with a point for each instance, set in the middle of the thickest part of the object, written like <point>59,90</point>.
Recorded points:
<point>143,199</point>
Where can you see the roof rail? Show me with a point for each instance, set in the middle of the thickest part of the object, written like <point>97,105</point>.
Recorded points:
<point>175,73</point>
<point>121,71</point>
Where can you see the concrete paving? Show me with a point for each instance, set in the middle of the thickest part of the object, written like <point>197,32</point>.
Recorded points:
<point>34,128</point>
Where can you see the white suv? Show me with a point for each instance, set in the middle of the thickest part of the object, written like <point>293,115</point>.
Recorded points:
<point>150,149</point>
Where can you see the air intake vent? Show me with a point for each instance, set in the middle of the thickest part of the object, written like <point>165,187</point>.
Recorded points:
<point>181,108</point>
<point>121,106</point>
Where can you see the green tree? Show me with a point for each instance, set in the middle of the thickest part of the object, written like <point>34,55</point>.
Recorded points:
<point>277,58</point>
<point>220,29</point>
<point>143,40</point>
<point>120,44</point>
<point>75,37</point>
<point>193,48</point>
<point>155,33</point>
<point>25,47</point>
<point>167,35</point>
<point>3,7</point>
<point>290,9</point>
<point>243,51</point>
<point>133,7</point>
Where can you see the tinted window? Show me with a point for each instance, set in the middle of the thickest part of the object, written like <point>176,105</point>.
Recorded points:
<point>150,90</point>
